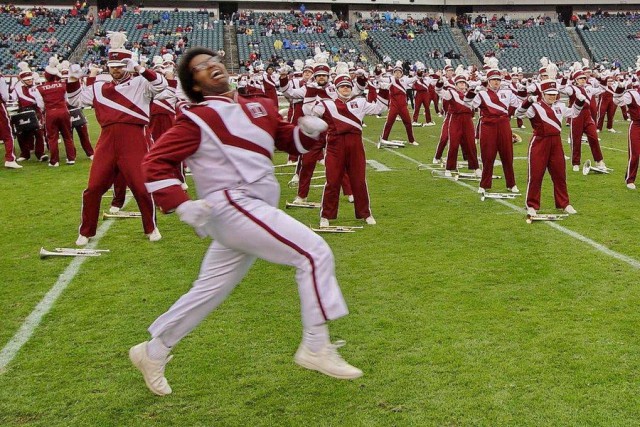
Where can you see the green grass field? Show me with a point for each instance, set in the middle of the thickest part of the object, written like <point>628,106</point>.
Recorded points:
<point>461,313</point>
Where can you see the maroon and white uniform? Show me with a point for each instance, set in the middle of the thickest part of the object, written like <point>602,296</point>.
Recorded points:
<point>422,97</point>
<point>398,105</point>
<point>270,85</point>
<point>122,110</point>
<point>545,149</point>
<point>444,131</point>
<point>236,139</point>
<point>460,127</point>
<point>51,98</point>
<point>32,140</point>
<point>606,106</point>
<point>6,135</point>
<point>583,124</point>
<point>345,150</point>
<point>495,132</point>
<point>163,111</point>
<point>631,100</point>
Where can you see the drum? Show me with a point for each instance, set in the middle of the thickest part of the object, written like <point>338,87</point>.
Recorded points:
<point>77,117</point>
<point>25,121</point>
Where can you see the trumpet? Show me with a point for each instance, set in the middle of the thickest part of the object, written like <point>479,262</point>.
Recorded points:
<point>509,196</point>
<point>121,215</point>
<point>546,217</point>
<point>390,144</point>
<point>336,229</point>
<point>587,168</point>
<point>71,252</point>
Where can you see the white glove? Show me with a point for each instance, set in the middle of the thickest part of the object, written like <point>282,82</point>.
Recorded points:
<point>480,88</point>
<point>130,64</point>
<point>385,85</point>
<point>312,126</point>
<point>168,69</point>
<point>75,72</point>
<point>196,213</point>
<point>532,99</point>
<point>359,72</point>
<point>94,70</point>
<point>580,97</point>
<point>473,84</point>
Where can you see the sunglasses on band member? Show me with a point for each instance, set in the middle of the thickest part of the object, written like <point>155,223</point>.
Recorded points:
<point>205,64</point>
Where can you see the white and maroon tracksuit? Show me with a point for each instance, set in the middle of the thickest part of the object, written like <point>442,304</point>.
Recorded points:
<point>513,86</point>
<point>606,107</point>
<point>6,134</point>
<point>583,124</point>
<point>295,104</point>
<point>122,110</point>
<point>51,98</point>
<point>631,99</point>
<point>270,84</point>
<point>495,132</point>
<point>163,111</point>
<point>236,138</point>
<point>398,106</point>
<point>461,132</point>
<point>345,150</point>
<point>422,98</point>
<point>444,131</point>
<point>545,149</point>
<point>33,140</point>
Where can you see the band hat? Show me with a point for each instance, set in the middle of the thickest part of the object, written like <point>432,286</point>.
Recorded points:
<point>25,72</point>
<point>494,74</point>
<point>549,86</point>
<point>460,78</point>
<point>117,53</point>
<point>343,80</point>
<point>578,75</point>
<point>51,70</point>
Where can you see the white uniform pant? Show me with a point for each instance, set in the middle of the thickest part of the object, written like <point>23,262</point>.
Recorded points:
<point>246,225</point>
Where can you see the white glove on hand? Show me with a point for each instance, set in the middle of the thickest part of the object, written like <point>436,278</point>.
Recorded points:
<point>312,126</point>
<point>385,85</point>
<point>75,72</point>
<point>480,88</point>
<point>130,64</point>
<point>196,213</point>
<point>94,70</point>
<point>359,72</point>
<point>532,99</point>
<point>580,97</point>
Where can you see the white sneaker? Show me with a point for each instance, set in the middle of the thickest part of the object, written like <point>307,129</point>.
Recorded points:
<point>350,198</point>
<point>523,127</point>
<point>12,165</point>
<point>612,130</point>
<point>448,174</point>
<point>576,168</point>
<point>327,361</point>
<point>416,124</point>
<point>71,162</point>
<point>370,220</point>
<point>295,179</point>
<point>478,173</point>
<point>114,209</point>
<point>155,235</point>
<point>413,143</point>
<point>570,210</point>
<point>21,159</point>
<point>481,190</point>
<point>324,222</point>
<point>531,212</point>
<point>601,164</point>
<point>439,114</point>
<point>628,119</point>
<point>152,370</point>
<point>435,161</point>
<point>91,157</point>
<point>364,125</point>
<point>44,158</point>
<point>631,186</point>
<point>54,165</point>
<point>82,240</point>
<point>184,186</point>
<point>597,130</point>
<point>398,119</point>
<point>300,200</point>
<point>429,124</point>
<point>514,189</point>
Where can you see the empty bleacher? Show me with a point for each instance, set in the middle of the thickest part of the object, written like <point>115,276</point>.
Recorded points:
<point>611,38</point>
<point>534,42</point>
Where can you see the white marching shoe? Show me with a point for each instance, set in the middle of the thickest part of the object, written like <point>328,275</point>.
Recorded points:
<point>523,127</point>
<point>114,210</point>
<point>152,370</point>
<point>478,173</point>
<point>601,164</point>
<point>91,157</point>
<point>12,165</point>
<point>155,235</point>
<point>350,198</point>
<point>324,222</point>
<point>82,240</point>
<point>481,190</point>
<point>54,165</point>
<point>429,124</point>
<point>328,361</point>
<point>184,186</point>
<point>514,189</point>
<point>295,179</point>
<point>70,162</point>
<point>370,220</point>
<point>531,212</point>
<point>631,186</point>
<point>435,161</point>
<point>612,130</point>
<point>416,124</point>
<point>448,174</point>
<point>570,210</point>
<point>576,168</point>
<point>413,143</point>
<point>21,159</point>
<point>300,199</point>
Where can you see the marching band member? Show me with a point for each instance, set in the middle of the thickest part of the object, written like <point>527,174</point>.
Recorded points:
<point>271,84</point>
<point>6,134</point>
<point>628,96</point>
<point>461,130</point>
<point>606,106</point>
<point>545,149</point>
<point>398,103</point>
<point>51,98</point>
<point>515,87</point>
<point>32,139</point>
<point>122,110</point>
<point>444,131</point>
<point>345,149</point>
<point>238,207</point>
<point>423,96</point>
<point>305,70</point>
<point>582,124</point>
<point>495,127</point>
<point>81,128</point>
<point>163,112</point>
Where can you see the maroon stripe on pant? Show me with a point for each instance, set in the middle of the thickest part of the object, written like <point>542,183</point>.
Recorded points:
<point>287,242</point>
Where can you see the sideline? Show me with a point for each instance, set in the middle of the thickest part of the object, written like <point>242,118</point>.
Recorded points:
<point>597,246</point>
<point>28,327</point>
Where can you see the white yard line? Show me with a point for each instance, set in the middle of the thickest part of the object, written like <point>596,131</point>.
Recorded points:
<point>597,246</point>
<point>28,327</point>
<point>379,167</point>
